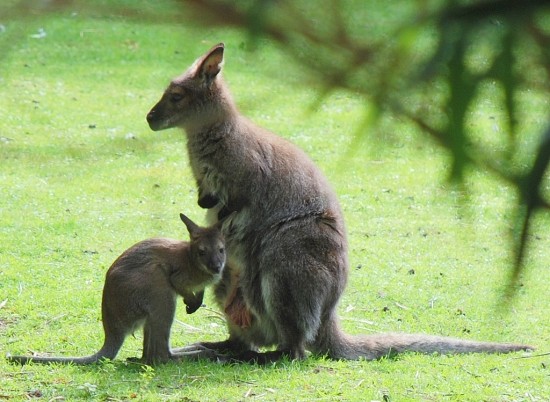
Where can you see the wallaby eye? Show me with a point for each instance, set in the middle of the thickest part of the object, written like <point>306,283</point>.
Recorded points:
<point>202,252</point>
<point>175,97</point>
<point>222,250</point>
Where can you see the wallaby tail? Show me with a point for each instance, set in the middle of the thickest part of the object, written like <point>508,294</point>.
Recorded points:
<point>109,350</point>
<point>338,345</point>
<point>390,344</point>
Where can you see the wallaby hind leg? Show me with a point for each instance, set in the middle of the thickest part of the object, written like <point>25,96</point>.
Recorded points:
<point>298,289</point>
<point>286,324</point>
<point>289,325</point>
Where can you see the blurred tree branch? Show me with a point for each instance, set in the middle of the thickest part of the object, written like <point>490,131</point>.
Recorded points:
<point>386,73</point>
<point>395,78</point>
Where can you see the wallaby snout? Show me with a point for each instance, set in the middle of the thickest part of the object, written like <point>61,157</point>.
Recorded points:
<point>152,119</point>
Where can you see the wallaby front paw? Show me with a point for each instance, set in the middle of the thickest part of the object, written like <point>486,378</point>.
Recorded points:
<point>208,201</point>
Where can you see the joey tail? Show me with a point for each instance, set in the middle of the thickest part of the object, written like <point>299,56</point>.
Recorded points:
<point>109,351</point>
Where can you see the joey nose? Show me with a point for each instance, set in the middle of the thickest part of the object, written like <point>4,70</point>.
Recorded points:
<point>217,268</point>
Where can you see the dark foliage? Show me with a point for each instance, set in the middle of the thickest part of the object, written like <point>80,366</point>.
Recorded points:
<point>396,81</point>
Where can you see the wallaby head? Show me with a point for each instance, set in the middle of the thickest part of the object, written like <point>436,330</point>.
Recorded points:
<point>194,97</point>
<point>207,246</point>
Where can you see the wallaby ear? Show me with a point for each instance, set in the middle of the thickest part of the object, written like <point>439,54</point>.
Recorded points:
<point>192,227</point>
<point>211,63</point>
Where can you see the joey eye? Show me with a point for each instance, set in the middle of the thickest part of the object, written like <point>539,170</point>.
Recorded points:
<point>202,252</point>
<point>222,250</point>
<point>176,97</point>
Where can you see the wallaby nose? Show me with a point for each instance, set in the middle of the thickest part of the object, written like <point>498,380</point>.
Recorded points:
<point>152,120</point>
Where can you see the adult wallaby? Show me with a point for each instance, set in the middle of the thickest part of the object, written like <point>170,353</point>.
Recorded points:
<point>287,250</point>
<point>141,289</point>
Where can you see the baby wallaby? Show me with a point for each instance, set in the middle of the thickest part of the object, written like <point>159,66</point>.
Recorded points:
<point>141,289</point>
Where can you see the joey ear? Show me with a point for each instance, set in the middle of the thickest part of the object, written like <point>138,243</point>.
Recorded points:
<point>192,227</point>
<point>211,64</point>
<point>220,223</point>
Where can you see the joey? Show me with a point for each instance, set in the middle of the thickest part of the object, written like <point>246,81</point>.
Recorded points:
<point>141,289</point>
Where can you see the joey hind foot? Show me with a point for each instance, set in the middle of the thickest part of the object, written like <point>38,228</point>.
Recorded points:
<point>190,349</point>
<point>197,354</point>
<point>149,362</point>
<point>227,347</point>
<point>198,351</point>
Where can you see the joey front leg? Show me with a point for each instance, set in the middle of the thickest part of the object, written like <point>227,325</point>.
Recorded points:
<point>193,301</point>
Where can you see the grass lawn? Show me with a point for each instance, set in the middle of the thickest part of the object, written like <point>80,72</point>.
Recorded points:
<point>83,178</point>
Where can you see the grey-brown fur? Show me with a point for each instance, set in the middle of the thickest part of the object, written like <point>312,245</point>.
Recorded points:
<point>287,245</point>
<point>141,289</point>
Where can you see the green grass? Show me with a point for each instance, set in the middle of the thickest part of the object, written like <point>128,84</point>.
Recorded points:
<point>83,178</point>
